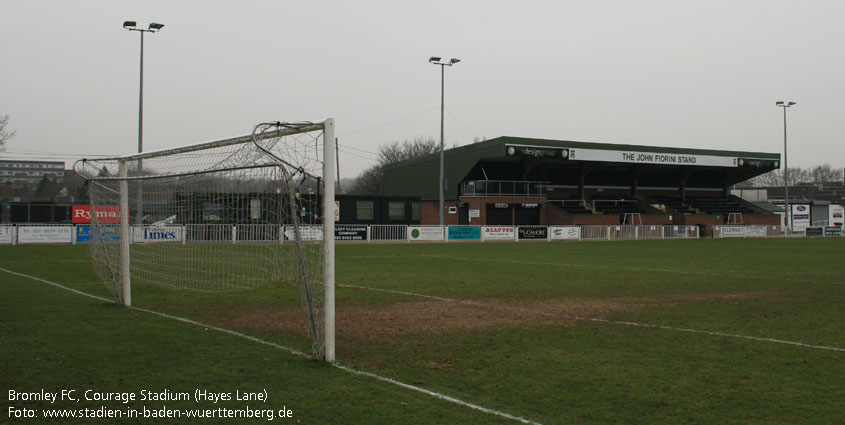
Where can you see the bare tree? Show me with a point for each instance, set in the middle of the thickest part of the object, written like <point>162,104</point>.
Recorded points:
<point>369,181</point>
<point>825,173</point>
<point>775,178</point>
<point>5,135</point>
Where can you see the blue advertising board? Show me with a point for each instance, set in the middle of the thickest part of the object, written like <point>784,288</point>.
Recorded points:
<point>464,233</point>
<point>110,233</point>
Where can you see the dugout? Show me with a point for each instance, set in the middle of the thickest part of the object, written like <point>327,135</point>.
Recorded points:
<point>515,180</point>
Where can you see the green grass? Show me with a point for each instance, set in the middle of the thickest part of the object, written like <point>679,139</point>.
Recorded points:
<point>506,339</point>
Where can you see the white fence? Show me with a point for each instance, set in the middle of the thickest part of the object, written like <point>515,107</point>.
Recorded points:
<point>262,233</point>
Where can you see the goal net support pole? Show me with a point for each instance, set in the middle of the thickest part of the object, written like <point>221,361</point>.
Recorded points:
<point>123,190</point>
<point>328,240</point>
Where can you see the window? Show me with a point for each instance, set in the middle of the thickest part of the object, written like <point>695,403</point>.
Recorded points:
<point>396,210</point>
<point>415,211</point>
<point>364,210</point>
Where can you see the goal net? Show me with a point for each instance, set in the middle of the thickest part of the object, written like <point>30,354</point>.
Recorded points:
<point>229,215</point>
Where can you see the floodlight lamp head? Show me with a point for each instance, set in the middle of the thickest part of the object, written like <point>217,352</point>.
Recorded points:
<point>791,103</point>
<point>779,103</point>
<point>454,61</point>
<point>434,59</point>
<point>128,24</point>
<point>155,26</point>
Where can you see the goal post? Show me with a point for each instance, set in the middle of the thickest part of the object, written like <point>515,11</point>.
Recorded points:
<point>227,215</point>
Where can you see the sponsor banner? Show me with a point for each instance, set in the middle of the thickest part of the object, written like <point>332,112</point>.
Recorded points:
<point>6,235</point>
<point>156,234</point>
<point>498,233</point>
<point>464,233</point>
<point>743,231</point>
<point>533,232</point>
<point>636,157</point>
<point>565,232</point>
<point>81,214</point>
<point>434,233</point>
<point>833,231</point>
<point>45,234</point>
<point>813,232</point>
<point>110,233</point>
<point>536,151</point>
<point>800,217</point>
<point>837,215</point>
<point>308,232</point>
<point>350,232</point>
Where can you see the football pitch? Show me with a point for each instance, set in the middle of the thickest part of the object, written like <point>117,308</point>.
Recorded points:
<point>684,331</point>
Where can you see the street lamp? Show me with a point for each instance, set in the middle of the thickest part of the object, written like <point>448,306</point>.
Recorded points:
<point>435,60</point>
<point>153,27</point>
<point>788,216</point>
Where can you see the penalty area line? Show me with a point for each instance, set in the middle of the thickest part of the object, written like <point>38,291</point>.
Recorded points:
<point>296,352</point>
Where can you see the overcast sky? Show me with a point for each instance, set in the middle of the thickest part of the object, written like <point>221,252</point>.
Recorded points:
<point>693,74</point>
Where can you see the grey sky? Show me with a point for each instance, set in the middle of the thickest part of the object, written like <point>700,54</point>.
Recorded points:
<point>663,73</point>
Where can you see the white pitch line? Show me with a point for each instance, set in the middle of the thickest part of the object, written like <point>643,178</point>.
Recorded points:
<point>639,269</point>
<point>299,353</point>
<point>615,322</point>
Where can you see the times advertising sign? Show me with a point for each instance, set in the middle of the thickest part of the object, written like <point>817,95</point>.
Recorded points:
<point>157,234</point>
<point>81,214</point>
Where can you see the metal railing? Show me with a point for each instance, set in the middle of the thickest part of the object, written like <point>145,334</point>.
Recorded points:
<point>251,233</point>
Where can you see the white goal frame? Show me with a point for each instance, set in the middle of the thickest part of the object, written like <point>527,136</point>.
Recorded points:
<point>328,209</point>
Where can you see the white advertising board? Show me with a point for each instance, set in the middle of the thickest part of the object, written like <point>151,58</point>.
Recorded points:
<point>7,234</point>
<point>423,233</point>
<point>837,215</point>
<point>309,233</point>
<point>565,232</point>
<point>498,233</point>
<point>743,231</point>
<point>800,217</point>
<point>157,234</point>
<point>45,234</point>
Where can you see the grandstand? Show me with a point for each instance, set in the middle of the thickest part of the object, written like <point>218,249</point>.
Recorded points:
<point>511,180</point>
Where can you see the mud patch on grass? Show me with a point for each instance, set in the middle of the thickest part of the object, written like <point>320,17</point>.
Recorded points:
<point>428,316</point>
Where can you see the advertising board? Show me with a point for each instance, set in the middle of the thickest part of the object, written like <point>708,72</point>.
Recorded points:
<point>800,217</point>
<point>81,214</point>
<point>45,234</point>
<point>110,233</point>
<point>425,233</point>
<point>157,234</point>
<point>833,231</point>
<point>498,233</point>
<point>837,215</point>
<point>308,232</point>
<point>464,233</point>
<point>533,232</point>
<point>350,232</point>
<point>565,232</point>
<point>7,234</point>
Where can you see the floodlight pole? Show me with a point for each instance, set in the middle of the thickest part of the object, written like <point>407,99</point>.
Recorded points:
<point>152,28</point>
<point>788,213</point>
<point>435,60</point>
